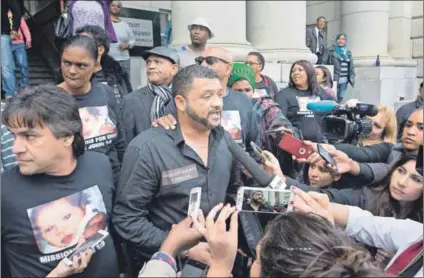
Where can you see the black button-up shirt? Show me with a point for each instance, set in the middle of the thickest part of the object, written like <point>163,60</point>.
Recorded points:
<point>158,172</point>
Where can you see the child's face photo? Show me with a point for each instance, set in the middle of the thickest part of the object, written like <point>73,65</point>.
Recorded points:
<point>59,221</point>
<point>62,223</point>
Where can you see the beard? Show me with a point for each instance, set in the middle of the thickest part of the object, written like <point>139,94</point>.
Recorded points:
<point>203,121</point>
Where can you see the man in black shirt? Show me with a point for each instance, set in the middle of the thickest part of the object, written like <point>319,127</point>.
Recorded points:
<point>161,166</point>
<point>59,195</point>
<point>145,105</point>
<point>265,86</point>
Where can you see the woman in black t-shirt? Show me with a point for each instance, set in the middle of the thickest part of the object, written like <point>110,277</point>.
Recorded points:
<point>303,88</point>
<point>98,109</point>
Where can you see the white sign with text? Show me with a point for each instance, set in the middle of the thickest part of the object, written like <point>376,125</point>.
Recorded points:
<point>142,29</point>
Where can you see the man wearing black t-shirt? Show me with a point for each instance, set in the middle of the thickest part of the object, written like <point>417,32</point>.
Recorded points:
<point>58,196</point>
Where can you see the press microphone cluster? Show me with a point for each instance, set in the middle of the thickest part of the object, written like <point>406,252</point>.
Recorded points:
<point>254,169</point>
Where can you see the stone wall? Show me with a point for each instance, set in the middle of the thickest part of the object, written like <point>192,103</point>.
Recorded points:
<point>417,36</point>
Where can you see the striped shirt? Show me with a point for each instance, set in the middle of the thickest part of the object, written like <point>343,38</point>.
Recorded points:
<point>8,158</point>
<point>344,72</point>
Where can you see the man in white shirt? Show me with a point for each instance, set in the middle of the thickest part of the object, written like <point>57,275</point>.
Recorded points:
<point>200,33</point>
<point>316,40</point>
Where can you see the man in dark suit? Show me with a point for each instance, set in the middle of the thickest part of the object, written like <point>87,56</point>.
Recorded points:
<point>316,40</point>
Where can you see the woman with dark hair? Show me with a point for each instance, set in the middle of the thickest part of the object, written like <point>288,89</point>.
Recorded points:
<point>344,71</point>
<point>108,71</point>
<point>302,89</point>
<point>325,80</point>
<point>78,64</point>
<point>300,245</point>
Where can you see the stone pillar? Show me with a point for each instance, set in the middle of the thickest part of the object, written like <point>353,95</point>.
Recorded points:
<point>277,29</point>
<point>227,18</point>
<point>400,29</point>
<point>366,24</point>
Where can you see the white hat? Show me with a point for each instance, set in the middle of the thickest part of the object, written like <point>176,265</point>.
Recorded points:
<point>201,21</point>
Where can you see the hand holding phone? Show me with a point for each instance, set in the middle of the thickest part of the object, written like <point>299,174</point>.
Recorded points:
<point>274,200</point>
<point>295,146</point>
<point>325,155</point>
<point>90,243</point>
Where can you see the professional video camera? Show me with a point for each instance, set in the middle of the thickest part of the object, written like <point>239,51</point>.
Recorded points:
<point>345,124</point>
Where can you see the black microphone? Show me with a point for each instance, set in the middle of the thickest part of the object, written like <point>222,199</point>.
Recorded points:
<point>257,172</point>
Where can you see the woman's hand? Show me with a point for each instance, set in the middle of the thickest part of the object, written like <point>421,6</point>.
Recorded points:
<point>271,165</point>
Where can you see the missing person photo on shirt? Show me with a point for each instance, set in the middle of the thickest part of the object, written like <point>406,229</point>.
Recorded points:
<point>62,223</point>
<point>96,121</point>
<point>231,122</point>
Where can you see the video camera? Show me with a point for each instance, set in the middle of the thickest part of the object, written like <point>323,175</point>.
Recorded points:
<point>345,124</point>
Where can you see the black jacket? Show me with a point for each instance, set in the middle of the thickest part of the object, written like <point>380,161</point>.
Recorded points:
<point>335,61</point>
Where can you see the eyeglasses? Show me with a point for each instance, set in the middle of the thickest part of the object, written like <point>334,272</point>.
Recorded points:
<point>251,63</point>
<point>210,60</point>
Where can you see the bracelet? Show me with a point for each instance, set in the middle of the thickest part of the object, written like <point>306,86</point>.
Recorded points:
<point>165,258</point>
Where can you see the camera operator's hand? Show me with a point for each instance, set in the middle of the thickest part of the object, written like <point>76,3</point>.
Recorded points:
<point>351,103</point>
<point>181,237</point>
<point>222,243</point>
<point>167,122</point>
<point>271,165</point>
<point>312,203</point>
<point>79,264</point>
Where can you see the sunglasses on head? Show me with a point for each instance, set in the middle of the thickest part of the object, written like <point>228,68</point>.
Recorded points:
<point>210,60</point>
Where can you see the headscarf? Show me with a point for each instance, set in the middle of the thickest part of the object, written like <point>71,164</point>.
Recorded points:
<point>242,71</point>
<point>342,51</point>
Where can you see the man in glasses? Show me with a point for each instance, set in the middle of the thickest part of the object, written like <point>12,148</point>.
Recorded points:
<point>200,33</point>
<point>237,113</point>
<point>265,86</point>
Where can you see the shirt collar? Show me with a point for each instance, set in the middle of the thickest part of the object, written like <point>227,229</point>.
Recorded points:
<point>216,134</point>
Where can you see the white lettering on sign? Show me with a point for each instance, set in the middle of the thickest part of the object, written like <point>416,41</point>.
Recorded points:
<point>142,29</point>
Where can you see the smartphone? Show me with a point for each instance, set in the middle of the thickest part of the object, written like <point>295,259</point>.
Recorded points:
<point>325,155</point>
<point>273,200</point>
<point>194,201</point>
<point>419,164</point>
<point>295,146</point>
<point>194,269</point>
<point>256,148</point>
<point>90,242</point>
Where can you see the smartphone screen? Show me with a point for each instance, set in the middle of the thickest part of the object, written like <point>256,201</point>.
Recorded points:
<point>325,155</point>
<point>264,200</point>
<point>194,201</point>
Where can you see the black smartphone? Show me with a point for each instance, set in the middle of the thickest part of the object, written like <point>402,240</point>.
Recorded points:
<point>419,164</point>
<point>325,155</point>
<point>256,148</point>
<point>194,269</point>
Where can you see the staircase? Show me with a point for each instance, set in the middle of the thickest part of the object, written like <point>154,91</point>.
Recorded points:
<point>39,71</point>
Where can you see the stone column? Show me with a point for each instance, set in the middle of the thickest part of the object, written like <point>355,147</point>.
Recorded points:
<point>366,24</point>
<point>277,29</point>
<point>400,29</point>
<point>227,18</point>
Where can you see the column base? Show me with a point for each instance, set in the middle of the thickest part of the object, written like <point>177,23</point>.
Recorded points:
<point>384,84</point>
<point>385,61</point>
<point>288,56</point>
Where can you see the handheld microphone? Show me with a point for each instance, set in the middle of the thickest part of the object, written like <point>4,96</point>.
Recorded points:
<point>259,174</point>
<point>322,106</point>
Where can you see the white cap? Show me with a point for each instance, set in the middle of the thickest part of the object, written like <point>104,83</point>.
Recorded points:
<point>201,21</point>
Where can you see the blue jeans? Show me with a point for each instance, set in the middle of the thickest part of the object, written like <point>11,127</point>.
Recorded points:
<point>7,66</point>
<point>341,91</point>
<point>19,52</point>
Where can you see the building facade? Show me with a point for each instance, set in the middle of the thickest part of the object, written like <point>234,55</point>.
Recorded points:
<point>391,29</point>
